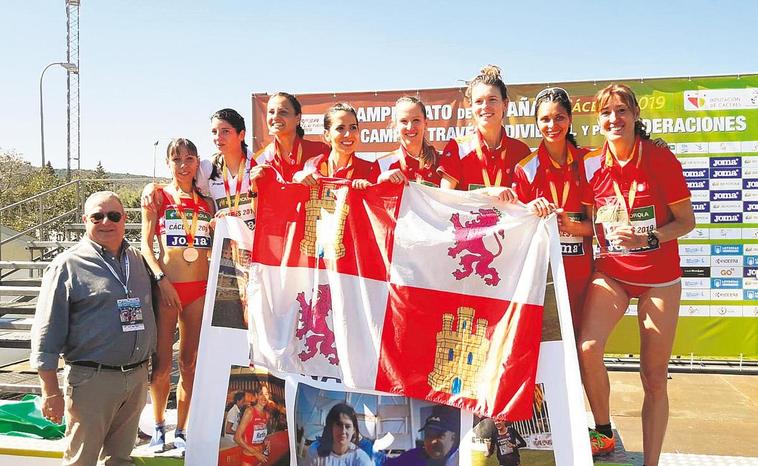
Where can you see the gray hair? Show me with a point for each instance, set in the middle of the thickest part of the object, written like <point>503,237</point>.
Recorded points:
<point>101,196</point>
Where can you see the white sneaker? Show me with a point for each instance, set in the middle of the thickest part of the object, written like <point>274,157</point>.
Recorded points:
<point>180,442</point>
<point>158,442</point>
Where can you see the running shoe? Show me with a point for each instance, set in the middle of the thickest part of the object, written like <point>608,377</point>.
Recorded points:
<point>601,444</point>
<point>158,442</point>
<point>180,442</point>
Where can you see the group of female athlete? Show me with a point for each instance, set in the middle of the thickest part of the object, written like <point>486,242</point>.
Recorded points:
<point>630,193</point>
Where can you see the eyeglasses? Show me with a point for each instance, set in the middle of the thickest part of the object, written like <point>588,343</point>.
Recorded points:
<point>113,216</point>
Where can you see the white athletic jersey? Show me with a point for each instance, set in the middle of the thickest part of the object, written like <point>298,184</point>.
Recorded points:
<point>214,188</point>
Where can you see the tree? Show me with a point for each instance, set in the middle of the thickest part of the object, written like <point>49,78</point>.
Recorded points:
<point>98,185</point>
<point>20,181</point>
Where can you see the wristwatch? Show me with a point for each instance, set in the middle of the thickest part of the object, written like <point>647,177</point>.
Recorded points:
<point>652,240</point>
<point>160,275</point>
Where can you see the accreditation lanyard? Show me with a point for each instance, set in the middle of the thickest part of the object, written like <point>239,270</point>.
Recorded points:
<point>189,231</point>
<point>240,175</point>
<point>297,148</point>
<point>126,272</point>
<point>633,187</point>
<point>483,160</point>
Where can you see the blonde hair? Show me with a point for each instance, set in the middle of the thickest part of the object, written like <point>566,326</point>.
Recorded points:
<point>627,97</point>
<point>429,155</point>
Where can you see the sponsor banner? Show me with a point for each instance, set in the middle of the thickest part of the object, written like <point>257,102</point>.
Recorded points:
<point>726,249</point>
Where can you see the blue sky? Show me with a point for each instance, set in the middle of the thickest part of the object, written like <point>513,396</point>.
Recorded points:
<point>154,69</point>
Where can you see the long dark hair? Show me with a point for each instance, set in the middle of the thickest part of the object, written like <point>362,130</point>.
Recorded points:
<point>232,117</point>
<point>429,155</point>
<point>237,397</point>
<point>559,96</point>
<point>296,105</point>
<point>327,440</point>
<point>173,149</point>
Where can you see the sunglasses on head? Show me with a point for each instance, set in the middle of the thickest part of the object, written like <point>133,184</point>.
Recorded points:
<point>552,91</point>
<point>113,216</point>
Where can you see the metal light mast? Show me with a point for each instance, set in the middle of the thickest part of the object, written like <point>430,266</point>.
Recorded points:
<point>72,56</point>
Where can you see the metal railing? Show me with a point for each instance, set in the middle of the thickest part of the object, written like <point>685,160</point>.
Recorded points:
<point>48,212</point>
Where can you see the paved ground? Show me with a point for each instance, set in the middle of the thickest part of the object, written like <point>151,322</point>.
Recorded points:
<point>709,415</point>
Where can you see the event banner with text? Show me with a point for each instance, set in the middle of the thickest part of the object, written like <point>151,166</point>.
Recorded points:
<point>710,123</point>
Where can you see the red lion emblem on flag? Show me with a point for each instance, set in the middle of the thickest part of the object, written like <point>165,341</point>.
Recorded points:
<point>312,322</point>
<point>470,237</point>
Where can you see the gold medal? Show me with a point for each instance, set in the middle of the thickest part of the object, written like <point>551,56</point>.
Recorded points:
<point>190,254</point>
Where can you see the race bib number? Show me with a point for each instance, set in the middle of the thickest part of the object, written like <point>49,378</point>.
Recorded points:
<point>245,211</point>
<point>177,237</point>
<point>643,222</point>
<point>572,245</point>
<point>259,434</point>
<point>130,314</point>
<point>426,183</point>
<point>505,446</point>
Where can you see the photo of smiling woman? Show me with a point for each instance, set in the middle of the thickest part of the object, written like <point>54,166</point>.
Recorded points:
<point>289,151</point>
<point>642,205</point>
<point>552,178</point>
<point>485,158</point>
<point>338,445</point>
<point>181,221</point>
<point>341,133</point>
<point>228,178</point>
<point>415,160</point>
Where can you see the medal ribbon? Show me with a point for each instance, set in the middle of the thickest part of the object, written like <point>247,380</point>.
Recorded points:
<point>566,183</point>
<point>633,187</point>
<point>189,231</point>
<point>554,192</point>
<point>483,160</point>
<point>240,175</point>
<point>334,172</point>
<point>297,147</point>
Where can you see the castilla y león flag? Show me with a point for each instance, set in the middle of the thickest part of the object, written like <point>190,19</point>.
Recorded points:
<point>418,291</point>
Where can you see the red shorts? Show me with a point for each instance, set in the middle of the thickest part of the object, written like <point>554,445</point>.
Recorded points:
<point>190,291</point>
<point>633,291</point>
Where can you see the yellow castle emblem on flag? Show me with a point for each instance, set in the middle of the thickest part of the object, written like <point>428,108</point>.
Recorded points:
<point>460,354</point>
<point>325,215</point>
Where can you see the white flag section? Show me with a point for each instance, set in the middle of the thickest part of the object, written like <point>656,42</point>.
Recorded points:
<point>557,429</point>
<point>331,314</point>
<point>460,242</point>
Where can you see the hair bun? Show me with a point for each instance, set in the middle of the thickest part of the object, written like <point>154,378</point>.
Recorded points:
<point>491,70</point>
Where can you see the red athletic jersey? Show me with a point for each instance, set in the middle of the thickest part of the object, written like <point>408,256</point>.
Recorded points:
<point>461,160</point>
<point>286,167</point>
<point>411,167</point>
<point>255,433</point>
<point>175,233</point>
<point>659,184</point>
<point>533,178</point>
<point>356,169</point>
